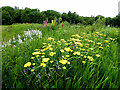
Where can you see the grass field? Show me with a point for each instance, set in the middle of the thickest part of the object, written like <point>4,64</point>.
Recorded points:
<point>72,56</point>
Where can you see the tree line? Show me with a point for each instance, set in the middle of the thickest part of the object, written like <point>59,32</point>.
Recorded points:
<point>15,15</point>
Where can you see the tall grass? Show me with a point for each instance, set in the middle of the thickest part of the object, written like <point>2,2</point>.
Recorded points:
<point>100,73</point>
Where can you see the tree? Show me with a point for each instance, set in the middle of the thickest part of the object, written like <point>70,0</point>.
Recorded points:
<point>6,18</point>
<point>51,14</point>
<point>11,12</point>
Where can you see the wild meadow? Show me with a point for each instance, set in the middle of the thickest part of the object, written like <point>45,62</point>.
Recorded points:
<point>60,56</point>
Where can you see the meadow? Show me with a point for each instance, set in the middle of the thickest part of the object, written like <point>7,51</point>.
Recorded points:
<point>60,56</point>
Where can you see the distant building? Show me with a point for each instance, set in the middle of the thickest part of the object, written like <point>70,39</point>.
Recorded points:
<point>119,7</point>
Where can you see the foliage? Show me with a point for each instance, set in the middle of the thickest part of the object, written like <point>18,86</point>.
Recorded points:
<point>27,15</point>
<point>93,58</point>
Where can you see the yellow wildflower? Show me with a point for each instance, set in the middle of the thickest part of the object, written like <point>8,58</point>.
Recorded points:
<point>44,43</point>
<point>45,59</point>
<point>83,61</point>
<point>64,67</point>
<point>76,53</point>
<point>36,49</point>
<point>67,49</point>
<point>67,55</point>
<point>32,57</point>
<point>42,56</point>
<point>28,64</point>
<point>97,55</point>
<point>50,38</point>
<point>68,62</point>
<point>51,61</point>
<point>43,64</point>
<point>33,64</point>
<point>32,70</point>
<point>37,55</point>
<point>65,58</point>
<point>62,50</point>
<point>52,53</point>
<point>63,61</point>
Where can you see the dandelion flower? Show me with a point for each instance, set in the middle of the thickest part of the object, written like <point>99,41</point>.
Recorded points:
<point>63,61</point>
<point>37,55</point>
<point>51,61</point>
<point>83,61</point>
<point>32,57</point>
<point>64,67</point>
<point>45,59</point>
<point>76,53</point>
<point>97,55</point>
<point>52,53</point>
<point>65,58</point>
<point>68,62</point>
<point>43,64</point>
<point>32,70</point>
<point>67,49</point>
<point>67,55</point>
<point>33,64</point>
<point>62,50</point>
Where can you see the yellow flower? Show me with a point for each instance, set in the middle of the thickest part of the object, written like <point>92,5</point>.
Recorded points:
<point>62,40</point>
<point>68,62</point>
<point>33,64</point>
<point>32,70</point>
<point>83,49</point>
<point>62,50</point>
<point>98,43</point>
<point>108,46</point>
<point>25,65</point>
<point>71,50</point>
<point>84,56</point>
<point>43,47</point>
<point>67,55</point>
<point>101,47</point>
<point>43,64</point>
<point>91,48</point>
<point>65,58</point>
<point>51,61</point>
<point>28,64</point>
<point>64,67</point>
<point>50,38</point>
<point>76,53</point>
<point>66,44</point>
<point>45,59</point>
<point>97,32</point>
<point>90,58</point>
<point>50,48</point>
<point>67,49</point>
<point>43,53</point>
<point>44,43</point>
<point>76,47</point>
<point>83,61</point>
<point>81,55</point>
<point>42,56</point>
<point>97,55</point>
<point>63,61</point>
<point>52,53</point>
<point>36,49</point>
<point>37,55</point>
<point>32,57</point>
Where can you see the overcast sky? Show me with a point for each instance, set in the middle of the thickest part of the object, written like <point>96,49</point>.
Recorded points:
<point>107,8</point>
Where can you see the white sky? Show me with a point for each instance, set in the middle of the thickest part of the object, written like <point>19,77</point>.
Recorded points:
<point>107,8</point>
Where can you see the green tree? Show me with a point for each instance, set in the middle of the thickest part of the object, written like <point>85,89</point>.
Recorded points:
<point>6,18</point>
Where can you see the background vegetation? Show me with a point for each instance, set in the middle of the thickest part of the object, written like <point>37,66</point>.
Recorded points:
<point>15,15</point>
